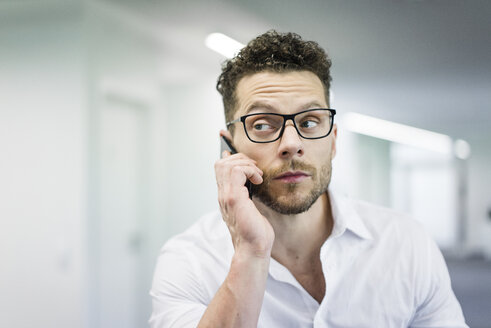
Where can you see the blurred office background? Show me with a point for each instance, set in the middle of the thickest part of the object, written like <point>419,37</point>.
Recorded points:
<point>109,125</point>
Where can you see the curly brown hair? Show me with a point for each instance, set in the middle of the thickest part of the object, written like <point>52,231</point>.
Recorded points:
<point>276,52</point>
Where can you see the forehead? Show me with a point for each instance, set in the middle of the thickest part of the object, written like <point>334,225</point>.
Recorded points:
<point>279,92</point>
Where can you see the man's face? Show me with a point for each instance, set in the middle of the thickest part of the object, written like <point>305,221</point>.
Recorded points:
<point>296,170</point>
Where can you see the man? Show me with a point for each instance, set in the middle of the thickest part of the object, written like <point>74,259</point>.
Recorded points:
<point>294,254</point>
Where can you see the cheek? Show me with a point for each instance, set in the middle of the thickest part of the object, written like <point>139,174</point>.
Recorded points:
<point>329,148</point>
<point>241,142</point>
<point>326,150</point>
<point>264,155</point>
<point>255,151</point>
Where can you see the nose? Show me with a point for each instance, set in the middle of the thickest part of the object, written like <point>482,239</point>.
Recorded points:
<point>291,144</point>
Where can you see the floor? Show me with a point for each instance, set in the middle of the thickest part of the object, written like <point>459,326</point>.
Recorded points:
<point>471,281</point>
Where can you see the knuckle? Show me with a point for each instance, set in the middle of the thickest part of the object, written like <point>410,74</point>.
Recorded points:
<point>218,164</point>
<point>229,199</point>
<point>237,170</point>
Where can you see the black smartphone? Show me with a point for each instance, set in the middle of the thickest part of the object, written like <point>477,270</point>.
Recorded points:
<point>225,144</point>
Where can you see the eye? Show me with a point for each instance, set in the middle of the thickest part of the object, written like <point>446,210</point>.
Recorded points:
<point>263,123</point>
<point>309,123</point>
<point>262,127</point>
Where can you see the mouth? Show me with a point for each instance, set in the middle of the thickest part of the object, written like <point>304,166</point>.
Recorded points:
<point>292,177</point>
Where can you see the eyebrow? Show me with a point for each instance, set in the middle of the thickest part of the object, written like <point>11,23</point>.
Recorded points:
<point>260,105</point>
<point>269,108</point>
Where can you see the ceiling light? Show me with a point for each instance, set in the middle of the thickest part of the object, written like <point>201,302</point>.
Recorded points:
<point>399,133</point>
<point>462,149</point>
<point>223,44</point>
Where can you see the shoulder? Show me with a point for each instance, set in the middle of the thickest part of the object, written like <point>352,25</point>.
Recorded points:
<point>189,269</point>
<point>191,265</point>
<point>396,235</point>
<point>404,242</point>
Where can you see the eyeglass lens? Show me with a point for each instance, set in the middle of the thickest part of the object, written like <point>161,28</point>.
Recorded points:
<point>267,127</point>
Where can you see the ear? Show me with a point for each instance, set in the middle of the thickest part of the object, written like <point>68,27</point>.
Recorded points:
<point>334,134</point>
<point>226,134</point>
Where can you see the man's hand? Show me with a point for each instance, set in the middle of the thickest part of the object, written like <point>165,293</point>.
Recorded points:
<point>251,232</point>
<point>238,301</point>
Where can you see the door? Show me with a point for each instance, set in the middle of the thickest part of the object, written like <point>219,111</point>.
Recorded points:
<point>123,162</point>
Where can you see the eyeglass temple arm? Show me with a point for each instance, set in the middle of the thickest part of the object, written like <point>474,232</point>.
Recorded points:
<point>232,122</point>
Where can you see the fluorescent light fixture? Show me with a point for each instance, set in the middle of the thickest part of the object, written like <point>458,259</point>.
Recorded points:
<point>396,132</point>
<point>462,149</point>
<point>223,44</point>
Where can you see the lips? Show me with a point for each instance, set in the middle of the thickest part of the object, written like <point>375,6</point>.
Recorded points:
<point>292,176</point>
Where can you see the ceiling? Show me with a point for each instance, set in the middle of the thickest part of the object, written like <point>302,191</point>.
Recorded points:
<point>422,63</point>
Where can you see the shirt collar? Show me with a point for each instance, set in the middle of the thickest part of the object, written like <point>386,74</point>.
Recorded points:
<point>346,218</point>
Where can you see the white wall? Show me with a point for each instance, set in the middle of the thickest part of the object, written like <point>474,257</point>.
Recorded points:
<point>361,168</point>
<point>425,185</point>
<point>60,63</point>
<point>43,155</point>
<point>124,83</point>
<point>479,195</point>
<point>195,116</point>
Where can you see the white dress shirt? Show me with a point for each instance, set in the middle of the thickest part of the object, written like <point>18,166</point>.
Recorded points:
<point>382,270</point>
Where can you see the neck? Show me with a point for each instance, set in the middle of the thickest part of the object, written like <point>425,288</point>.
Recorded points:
<point>300,236</point>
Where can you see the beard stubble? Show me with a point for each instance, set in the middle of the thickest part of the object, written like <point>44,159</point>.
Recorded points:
<point>293,202</point>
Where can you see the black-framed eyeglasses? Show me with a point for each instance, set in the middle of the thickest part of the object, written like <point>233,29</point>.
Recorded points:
<point>313,123</point>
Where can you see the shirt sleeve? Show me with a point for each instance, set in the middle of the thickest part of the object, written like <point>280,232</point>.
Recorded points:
<point>438,306</point>
<point>177,297</point>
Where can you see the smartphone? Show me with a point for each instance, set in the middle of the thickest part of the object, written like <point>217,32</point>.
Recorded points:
<point>225,144</point>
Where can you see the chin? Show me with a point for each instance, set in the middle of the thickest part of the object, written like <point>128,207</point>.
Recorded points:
<point>290,208</point>
<point>290,203</point>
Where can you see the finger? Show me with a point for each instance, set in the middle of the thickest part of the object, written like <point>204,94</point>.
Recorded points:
<point>225,165</point>
<point>250,170</point>
<point>240,174</point>
<point>240,162</point>
<point>256,177</point>
<point>241,156</point>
